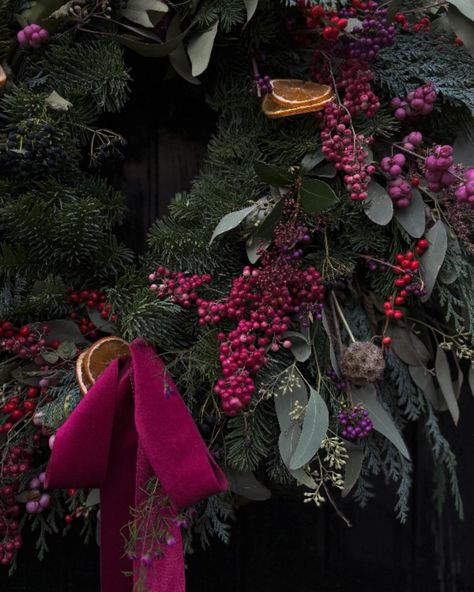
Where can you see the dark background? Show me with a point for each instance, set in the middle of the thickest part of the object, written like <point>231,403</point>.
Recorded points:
<point>281,545</point>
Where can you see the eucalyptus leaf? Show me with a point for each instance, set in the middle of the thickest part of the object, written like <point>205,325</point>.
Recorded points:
<point>180,61</point>
<point>433,258</point>
<point>380,206</point>
<point>316,196</point>
<point>443,375</point>
<point>251,7</point>
<point>425,382</point>
<point>29,374</point>
<point>315,427</point>
<point>470,378</point>
<point>93,498</point>
<point>230,221</point>
<point>146,13</point>
<point>66,350</point>
<point>255,246</point>
<point>311,160</point>
<point>327,170</point>
<point>286,396</point>
<point>465,6</point>
<point>64,330</point>
<point>413,218</point>
<point>332,350</point>
<point>303,478</point>
<point>57,102</point>
<point>41,10</point>
<point>381,419</point>
<point>50,356</point>
<point>464,146</point>
<point>273,175</point>
<point>353,466</point>
<point>246,484</point>
<point>102,324</point>
<point>288,442</point>
<point>352,23</point>
<point>200,49</point>
<point>301,347</point>
<point>462,25</point>
<point>408,346</point>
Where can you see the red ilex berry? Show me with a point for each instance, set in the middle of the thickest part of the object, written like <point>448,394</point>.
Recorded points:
<point>387,341</point>
<point>415,180</point>
<point>71,492</point>
<point>68,519</point>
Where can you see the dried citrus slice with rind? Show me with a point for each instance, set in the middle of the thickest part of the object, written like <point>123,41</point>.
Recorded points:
<point>100,354</point>
<point>274,110</point>
<point>293,93</point>
<point>82,380</point>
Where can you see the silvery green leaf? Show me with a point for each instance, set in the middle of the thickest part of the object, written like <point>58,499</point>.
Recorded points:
<point>462,25</point>
<point>102,324</point>
<point>64,330</point>
<point>303,478</point>
<point>93,498</point>
<point>352,23</point>
<point>315,427</point>
<point>66,350</point>
<point>327,170</point>
<point>353,466</point>
<point>316,196</point>
<point>332,351</point>
<point>231,221</point>
<point>471,377</point>
<point>57,102</point>
<point>443,375</point>
<point>433,258</point>
<point>301,347</point>
<point>413,218</point>
<point>381,419</point>
<point>255,246</point>
<point>146,13</point>
<point>289,390</point>
<point>425,382</point>
<point>465,6</point>
<point>464,146</point>
<point>311,160</point>
<point>245,483</point>
<point>51,357</point>
<point>200,49</point>
<point>288,442</point>
<point>251,7</point>
<point>180,61</point>
<point>380,206</point>
<point>408,346</point>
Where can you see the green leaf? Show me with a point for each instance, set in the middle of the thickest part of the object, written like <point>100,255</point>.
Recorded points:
<point>41,10</point>
<point>273,175</point>
<point>57,102</point>
<point>433,258</point>
<point>425,382</point>
<point>246,484</point>
<point>408,346</point>
<point>102,324</point>
<point>464,147</point>
<point>93,498</point>
<point>443,375</point>
<point>263,236</point>
<point>303,478</point>
<point>301,347</point>
<point>251,7</point>
<point>470,377</point>
<point>465,6</point>
<point>63,330</point>
<point>311,160</point>
<point>66,350</point>
<point>327,170</point>
<point>288,442</point>
<point>380,206</point>
<point>332,350</point>
<point>315,427</point>
<point>200,49</point>
<point>289,390</point>
<point>316,196</point>
<point>412,218</point>
<point>179,59</point>
<point>381,419</point>
<point>462,25</point>
<point>146,13</point>
<point>353,466</point>
<point>51,357</point>
<point>230,221</point>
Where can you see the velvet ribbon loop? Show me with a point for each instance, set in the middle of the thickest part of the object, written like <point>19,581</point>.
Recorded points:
<point>133,425</point>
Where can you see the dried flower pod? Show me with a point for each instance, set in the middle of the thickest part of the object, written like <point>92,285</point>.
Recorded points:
<point>362,362</point>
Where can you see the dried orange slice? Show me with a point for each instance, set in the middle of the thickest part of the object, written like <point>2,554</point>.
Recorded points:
<point>3,77</point>
<point>84,383</point>
<point>293,93</point>
<point>100,354</point>
<point>273,110</point>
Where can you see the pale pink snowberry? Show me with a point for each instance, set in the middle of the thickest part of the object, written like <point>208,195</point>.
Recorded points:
<point>32,36</point>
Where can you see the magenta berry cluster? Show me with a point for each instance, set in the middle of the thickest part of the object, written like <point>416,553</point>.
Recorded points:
<point>418,102</point>
<point>374,34</point>
<point>465,192</point>
<point>355,423</point>
<point>412,141</point>
<point>38,499</point>
<point>399,189</point>
<point>261,304</point>
<point>32,36</point>
<point>263,83</point>
<point>393,165</point>
<point>348,152</point>
<point>439,171</point>
<point>177,286</point>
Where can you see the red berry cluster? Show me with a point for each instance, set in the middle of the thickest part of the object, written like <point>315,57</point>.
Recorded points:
<point>317,17</point>
<point>177,286</point>
<point>422,25</point>
<point>348,152</point>
<point>262,306</point>
<point>407,283</point>
<point>16,408</point>
<point>92,299</point>
<point>86,326</point>
<point>25,342</point>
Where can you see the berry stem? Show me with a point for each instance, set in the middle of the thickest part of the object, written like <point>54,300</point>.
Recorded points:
<point>342,317</point>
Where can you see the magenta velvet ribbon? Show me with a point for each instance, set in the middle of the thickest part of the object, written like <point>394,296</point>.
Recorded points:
<point>133,425</point>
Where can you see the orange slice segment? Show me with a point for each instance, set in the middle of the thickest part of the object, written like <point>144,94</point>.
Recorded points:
<point>82,380</point>
<point>3,77</point>
<point>273,110</point>
<point>100,354</point>
<point>293,92</point>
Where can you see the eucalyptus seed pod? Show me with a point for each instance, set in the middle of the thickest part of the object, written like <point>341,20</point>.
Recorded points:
<point>362,363</point>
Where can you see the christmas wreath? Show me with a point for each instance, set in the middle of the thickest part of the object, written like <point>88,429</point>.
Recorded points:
<point>312,295</point>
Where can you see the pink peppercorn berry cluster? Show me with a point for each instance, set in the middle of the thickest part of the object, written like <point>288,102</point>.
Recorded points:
<point>465,192</point>
<point>355,423</point>
<point>263,316</point>
<point>177,286</point>
<point>399,189</point>
<point>439,171</point>
<point>38,500</point>
<point>355,79</point>
<point>418,102</point>
<point>348,153</point>
<point>32,36</point>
